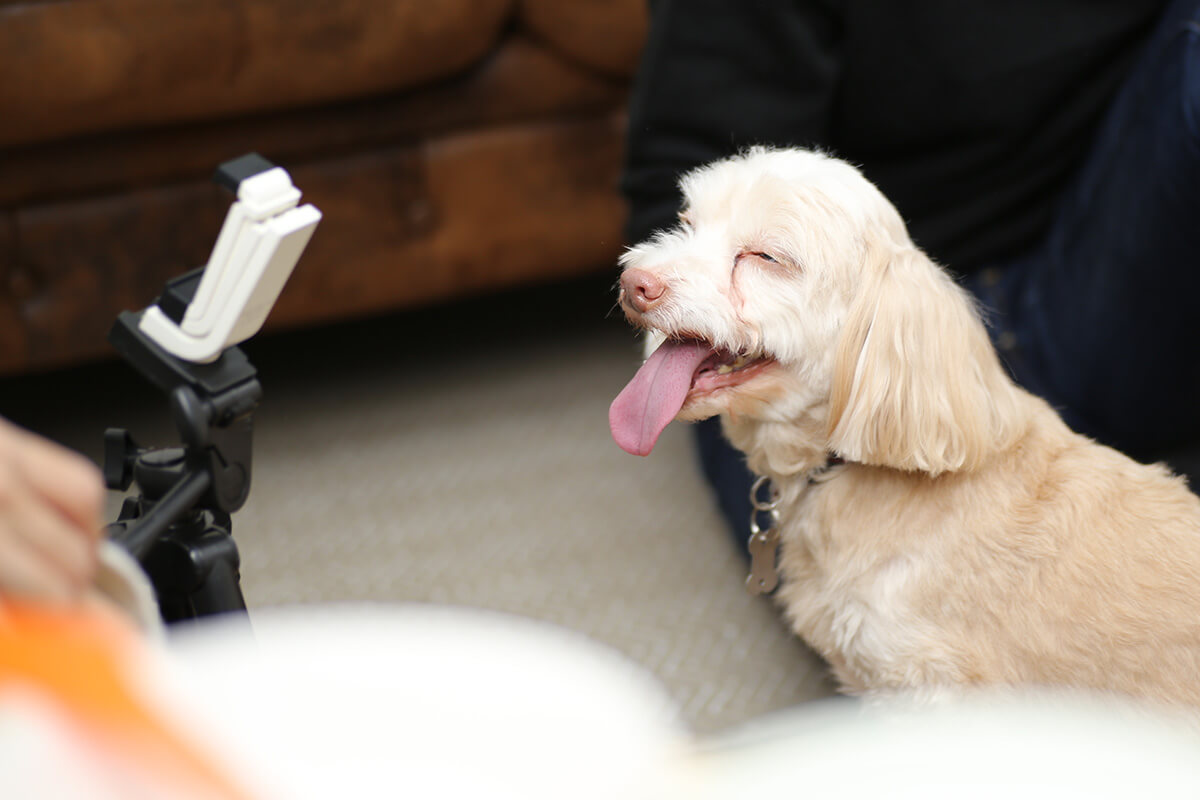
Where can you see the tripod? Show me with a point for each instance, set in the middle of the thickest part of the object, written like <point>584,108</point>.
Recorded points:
<point>179,527</point>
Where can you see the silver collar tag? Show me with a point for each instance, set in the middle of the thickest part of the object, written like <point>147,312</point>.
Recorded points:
<point>763,544</point>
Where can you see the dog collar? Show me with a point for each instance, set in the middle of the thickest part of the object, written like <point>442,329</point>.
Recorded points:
<point>764,542</point>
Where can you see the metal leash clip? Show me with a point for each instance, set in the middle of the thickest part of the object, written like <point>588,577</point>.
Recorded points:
<point>763,544</point>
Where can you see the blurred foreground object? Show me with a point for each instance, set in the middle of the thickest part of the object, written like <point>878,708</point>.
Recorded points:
<point>417,701</point>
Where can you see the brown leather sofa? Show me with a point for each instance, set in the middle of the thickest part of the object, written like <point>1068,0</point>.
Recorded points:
<point>454,146</point>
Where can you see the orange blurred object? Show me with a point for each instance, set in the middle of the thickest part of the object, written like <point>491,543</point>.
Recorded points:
<point>86,668</point>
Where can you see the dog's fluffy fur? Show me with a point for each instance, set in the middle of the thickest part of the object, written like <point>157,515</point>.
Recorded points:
<point>970,539</point>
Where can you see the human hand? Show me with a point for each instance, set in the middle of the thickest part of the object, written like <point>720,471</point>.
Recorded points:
<point>51,500</point>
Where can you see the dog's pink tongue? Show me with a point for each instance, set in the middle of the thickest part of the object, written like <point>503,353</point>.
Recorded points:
<point>652,399</point>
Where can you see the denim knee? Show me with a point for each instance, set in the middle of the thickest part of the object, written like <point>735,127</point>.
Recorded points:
<point>1191,76</point>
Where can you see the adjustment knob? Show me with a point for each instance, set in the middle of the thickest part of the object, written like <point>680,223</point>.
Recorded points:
<point>119,453</point>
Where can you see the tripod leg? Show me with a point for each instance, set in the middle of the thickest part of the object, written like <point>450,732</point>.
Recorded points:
<point>196,574</point>
<point>221,591</point>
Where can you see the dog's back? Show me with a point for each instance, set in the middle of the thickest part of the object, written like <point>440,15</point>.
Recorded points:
<point>1061,562</point>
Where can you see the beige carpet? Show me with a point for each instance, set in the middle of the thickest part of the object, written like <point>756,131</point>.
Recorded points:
<point>461,456</point>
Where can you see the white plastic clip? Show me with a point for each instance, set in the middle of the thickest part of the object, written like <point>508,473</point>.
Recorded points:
<point>262,238</point>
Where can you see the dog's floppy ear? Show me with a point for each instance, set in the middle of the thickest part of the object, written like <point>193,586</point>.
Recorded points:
<point>916,383</point>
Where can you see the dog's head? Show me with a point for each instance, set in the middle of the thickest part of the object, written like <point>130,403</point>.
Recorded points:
<point>789,289</point>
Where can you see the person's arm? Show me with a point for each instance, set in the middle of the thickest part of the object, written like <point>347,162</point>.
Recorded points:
<point>718,76</point>
<point>51,501</point>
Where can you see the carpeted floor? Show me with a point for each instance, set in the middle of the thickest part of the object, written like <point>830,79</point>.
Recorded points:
<point>461,455</point>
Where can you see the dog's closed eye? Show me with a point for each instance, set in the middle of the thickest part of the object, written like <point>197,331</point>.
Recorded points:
<point>758,254</point>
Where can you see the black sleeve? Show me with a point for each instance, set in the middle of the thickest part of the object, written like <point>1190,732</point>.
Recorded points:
<point>718,76</point>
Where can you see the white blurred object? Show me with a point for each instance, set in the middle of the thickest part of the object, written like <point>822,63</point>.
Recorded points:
<point>423,701</point>
<point>385,701</point>
<point>121,581</point>
<point>1029,745</point>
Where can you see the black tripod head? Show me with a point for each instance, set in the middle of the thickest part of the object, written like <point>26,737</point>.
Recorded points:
<point>179,526</point>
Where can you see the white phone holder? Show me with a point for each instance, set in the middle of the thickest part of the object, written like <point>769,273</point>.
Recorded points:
<point>263,236</point>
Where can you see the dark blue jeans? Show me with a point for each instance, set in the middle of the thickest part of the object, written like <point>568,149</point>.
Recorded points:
<point>1101,317</point>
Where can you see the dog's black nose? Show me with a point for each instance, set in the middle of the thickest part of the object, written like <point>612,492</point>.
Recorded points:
<point>642,290</point>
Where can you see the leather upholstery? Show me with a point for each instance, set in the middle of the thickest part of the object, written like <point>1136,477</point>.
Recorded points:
<point>454,146</point>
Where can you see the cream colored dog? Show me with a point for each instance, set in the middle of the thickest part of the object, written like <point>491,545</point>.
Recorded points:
<point>970,538</point>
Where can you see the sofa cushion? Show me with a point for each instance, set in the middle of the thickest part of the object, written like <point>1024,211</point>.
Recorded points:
<point>605,35</point>
<point>522,81</point>
<point>80,67</point>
